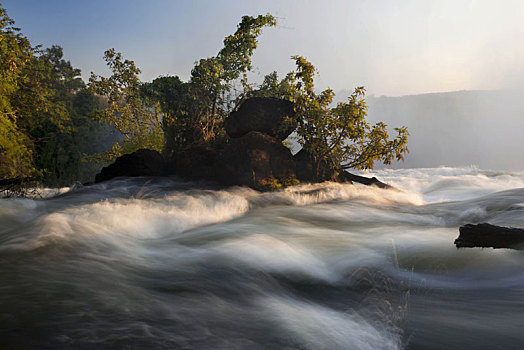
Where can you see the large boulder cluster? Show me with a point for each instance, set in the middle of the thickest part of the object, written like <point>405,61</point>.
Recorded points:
<point>271,116</point>
<point>253,155</point>
<point>144,162</point>
<point>256,159</point>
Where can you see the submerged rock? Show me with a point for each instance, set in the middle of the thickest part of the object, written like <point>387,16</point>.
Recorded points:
<point>490,236</point>
<point>272,116</point>
<point>144,162</point>
<point>253,159</point>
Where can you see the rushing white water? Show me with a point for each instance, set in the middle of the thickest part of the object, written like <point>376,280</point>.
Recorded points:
<point>158,263</point>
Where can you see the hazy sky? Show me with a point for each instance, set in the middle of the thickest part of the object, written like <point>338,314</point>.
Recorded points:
<point>392,47</point>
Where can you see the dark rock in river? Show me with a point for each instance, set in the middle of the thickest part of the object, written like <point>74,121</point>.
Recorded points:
<point>328,172</point>
<point>271,116</point>
<point>197,162</point>
<point>348,177</point>
<point>490,236</point>
<point>144,162</point>
<point>306,172</point>
<point>254,158</point>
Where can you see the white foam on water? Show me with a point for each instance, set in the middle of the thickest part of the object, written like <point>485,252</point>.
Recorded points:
<point>14,211</point>
<point>179,211</point>
<point>330,191</point>
<point>272,254</point>
<point>171,243</point>
<point>118,219</point>
<point>445,183</point>
<point>316,327</point>
<point>40,192</point>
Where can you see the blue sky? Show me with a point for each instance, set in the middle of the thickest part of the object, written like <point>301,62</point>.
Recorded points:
<point>392,47</point>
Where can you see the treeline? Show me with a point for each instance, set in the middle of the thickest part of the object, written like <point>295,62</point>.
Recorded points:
<point>50,121</point>
<point>46,132</point>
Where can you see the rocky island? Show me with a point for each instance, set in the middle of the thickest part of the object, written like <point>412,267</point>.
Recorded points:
<point>253,154</point>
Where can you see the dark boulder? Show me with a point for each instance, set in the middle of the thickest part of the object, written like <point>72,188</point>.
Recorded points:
<point>197,162</point>
<point>267,115</point>
<point>490,236</point>
<point>254,159</point>
<point>144,162</point>
<point>345,176</point>
<point>307,171</point>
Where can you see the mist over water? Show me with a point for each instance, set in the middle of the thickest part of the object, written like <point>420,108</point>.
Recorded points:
<point>460,128</point>
<point>158,263</point>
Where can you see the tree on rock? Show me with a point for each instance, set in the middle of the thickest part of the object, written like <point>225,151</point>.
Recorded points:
<point>170,111</point>
<point>334,138</point>
<point>211,90</point>
<point>192,114</point>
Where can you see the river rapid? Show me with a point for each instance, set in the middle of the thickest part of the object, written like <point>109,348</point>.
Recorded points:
<point>149,263</point>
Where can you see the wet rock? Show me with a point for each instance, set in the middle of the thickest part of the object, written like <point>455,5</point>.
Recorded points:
<point>144,162</point>
<point>253,159</point>
<point>490,236</point>
<point>271,116</point>
<point>346,176</point>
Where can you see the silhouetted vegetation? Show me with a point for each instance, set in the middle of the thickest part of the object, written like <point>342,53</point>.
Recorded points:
<point>55,128</point>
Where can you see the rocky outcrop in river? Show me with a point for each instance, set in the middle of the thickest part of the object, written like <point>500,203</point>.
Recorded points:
<point>254,159</point>
<point>253,155</point>
<point>271,116</point>
<point>490,236</point>
<point>144,162</point>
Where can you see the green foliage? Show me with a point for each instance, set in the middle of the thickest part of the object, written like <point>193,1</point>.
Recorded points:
<point>16,156</point>
<point>183,113</point>
<point>211,94</point>
<point>127,112</point>
<point>45,129</point>
<point>15,151</point>
<point>269,184</point>
<point>15,51</point>
<point>272,184</point>
<point>193,111</point>
<point>53,108</point>
<point>171,96</point>
<point>43,94</point>
<point>340,136</point>
<point>235,56</point>
<point>272,87</point>
<point>64,154</point>
<point>53,126</point>
<point>289,181</point>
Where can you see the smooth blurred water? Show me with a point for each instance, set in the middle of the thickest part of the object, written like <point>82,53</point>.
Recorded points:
<point>157,263</point>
